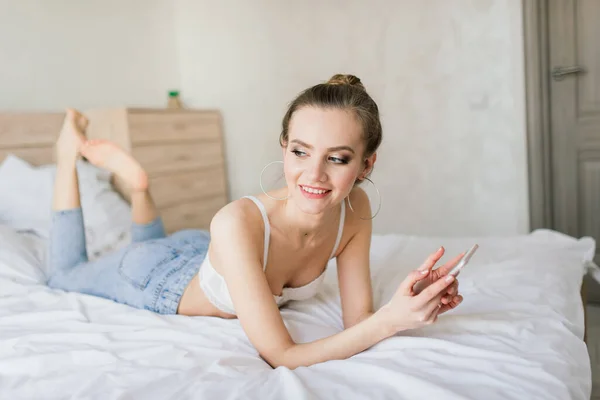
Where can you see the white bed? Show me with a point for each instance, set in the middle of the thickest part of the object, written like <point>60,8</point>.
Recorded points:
<point>517,335</point>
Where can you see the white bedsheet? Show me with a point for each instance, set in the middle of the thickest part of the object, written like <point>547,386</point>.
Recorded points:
<point>517,335</point>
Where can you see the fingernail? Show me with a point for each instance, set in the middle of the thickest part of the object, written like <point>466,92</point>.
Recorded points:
<point>449,278</point>
<point>423,272</point>
<point>440,249</point>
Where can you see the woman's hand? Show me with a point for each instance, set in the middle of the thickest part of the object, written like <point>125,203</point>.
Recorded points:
<point>451,299</point>
<point>409,311</point>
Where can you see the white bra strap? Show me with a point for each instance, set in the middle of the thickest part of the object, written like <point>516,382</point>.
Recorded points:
<point>340,228</point>
<point>263,211</point>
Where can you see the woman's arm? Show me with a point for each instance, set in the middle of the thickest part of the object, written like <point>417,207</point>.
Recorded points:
<point>354,277</point>
<point>236,245</point>
<point>354,272</point>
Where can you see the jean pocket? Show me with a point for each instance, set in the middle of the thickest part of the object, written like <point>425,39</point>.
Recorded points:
<point>143,260</point>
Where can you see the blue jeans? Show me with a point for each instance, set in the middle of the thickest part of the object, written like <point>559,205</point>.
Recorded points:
<point>151,273</point>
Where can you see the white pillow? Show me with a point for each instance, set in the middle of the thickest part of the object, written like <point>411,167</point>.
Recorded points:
<point>26,202</point>
<point>21,259</point>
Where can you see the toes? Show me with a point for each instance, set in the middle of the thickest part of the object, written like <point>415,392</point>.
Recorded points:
<point>83,123</point>
<point>70,113</point>
<point>74,116</point>
<point>75,121</point>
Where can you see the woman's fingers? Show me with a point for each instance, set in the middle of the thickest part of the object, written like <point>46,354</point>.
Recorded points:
<point>453,304</point>
<point>432,259</point>
<point>432,310</point>
<point>444,269</point>
<point>406,287</point>
<point>432,291</point>
<point>434,315</point>
<point>453,289</point>
<point>456,300</point>
<point>410,281</point>
<point>450,293</point>
<point>438,306</point>
<point>430,307</point>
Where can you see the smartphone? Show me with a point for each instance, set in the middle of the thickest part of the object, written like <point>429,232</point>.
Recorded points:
<point>464,260</point>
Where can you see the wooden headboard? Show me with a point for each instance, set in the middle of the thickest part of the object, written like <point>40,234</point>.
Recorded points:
<point>182,150</point>
<point>30,136</point>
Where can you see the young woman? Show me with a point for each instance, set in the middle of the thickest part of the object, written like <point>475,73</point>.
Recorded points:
<point>262,251</point>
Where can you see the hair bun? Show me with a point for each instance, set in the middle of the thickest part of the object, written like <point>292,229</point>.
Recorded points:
<point>344,79</point>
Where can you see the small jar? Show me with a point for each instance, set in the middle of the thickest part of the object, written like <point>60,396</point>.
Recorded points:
<point>174,102</point>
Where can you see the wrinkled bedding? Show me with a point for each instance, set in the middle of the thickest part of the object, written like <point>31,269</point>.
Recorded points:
<point>517,335</point>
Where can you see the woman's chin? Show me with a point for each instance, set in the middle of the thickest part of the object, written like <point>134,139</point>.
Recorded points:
<point>314,205</point>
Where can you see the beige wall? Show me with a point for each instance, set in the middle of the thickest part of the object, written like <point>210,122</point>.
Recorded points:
<point>447,75</point>
<point>86,53</point>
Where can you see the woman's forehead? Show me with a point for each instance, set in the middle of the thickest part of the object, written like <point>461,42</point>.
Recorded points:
<point>325,127</point>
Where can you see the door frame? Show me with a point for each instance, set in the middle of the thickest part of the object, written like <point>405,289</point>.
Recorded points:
<point>537,87</point>
<point>537,92</point>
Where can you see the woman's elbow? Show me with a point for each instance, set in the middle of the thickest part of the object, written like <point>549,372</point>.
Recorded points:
<point>280,358</point>
<point>350,322</point>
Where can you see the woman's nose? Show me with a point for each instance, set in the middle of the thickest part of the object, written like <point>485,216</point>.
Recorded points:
<point>317,172</point>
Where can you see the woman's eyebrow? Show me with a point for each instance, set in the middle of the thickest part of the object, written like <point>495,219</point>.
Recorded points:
<point>336,148</point>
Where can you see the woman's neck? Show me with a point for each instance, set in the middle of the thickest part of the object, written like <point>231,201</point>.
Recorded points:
<point>305,227</point>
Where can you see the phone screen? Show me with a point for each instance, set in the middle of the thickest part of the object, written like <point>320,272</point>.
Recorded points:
<point>463,261</point>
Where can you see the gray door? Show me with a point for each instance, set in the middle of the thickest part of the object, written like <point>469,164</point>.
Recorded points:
<point>574,56</point>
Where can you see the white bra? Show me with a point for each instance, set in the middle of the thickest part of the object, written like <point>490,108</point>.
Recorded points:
<point>215,288</point>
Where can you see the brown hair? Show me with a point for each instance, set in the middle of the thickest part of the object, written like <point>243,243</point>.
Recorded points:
<point>344,92</point>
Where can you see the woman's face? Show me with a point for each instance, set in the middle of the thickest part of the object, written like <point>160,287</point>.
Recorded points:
<point>323,157</point>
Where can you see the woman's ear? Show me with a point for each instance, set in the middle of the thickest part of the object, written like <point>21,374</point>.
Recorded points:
<point>283,149</point>
<point>369,163</point>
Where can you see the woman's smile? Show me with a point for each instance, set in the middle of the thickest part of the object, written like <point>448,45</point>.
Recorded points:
<point>312,192</point>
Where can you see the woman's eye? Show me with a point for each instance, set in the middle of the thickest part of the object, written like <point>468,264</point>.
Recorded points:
<point>338,160</point>
<point>298,153</point>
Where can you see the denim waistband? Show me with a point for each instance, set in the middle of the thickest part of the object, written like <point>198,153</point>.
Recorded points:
<point>167,295</point>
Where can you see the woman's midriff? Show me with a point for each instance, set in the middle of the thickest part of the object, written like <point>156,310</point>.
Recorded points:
<point>195,303</point>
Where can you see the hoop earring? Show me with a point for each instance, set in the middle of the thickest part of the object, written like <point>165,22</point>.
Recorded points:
<point>261,185</point>
<point>378,205</point>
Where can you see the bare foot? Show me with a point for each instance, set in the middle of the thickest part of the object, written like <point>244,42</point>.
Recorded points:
<point>108,155</point>
<point>72,135</point>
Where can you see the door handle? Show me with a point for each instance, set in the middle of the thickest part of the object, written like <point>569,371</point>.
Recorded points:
<point>558,73</point>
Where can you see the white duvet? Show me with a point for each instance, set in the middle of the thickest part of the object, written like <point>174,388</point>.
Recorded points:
<point>517,335</point>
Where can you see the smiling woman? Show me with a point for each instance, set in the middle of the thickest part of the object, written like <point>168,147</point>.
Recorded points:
<point>324,159</point>
<point>262,251</point>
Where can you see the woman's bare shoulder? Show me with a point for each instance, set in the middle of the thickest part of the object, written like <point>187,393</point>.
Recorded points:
<point>361,206</point>
<point>238,217</point>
